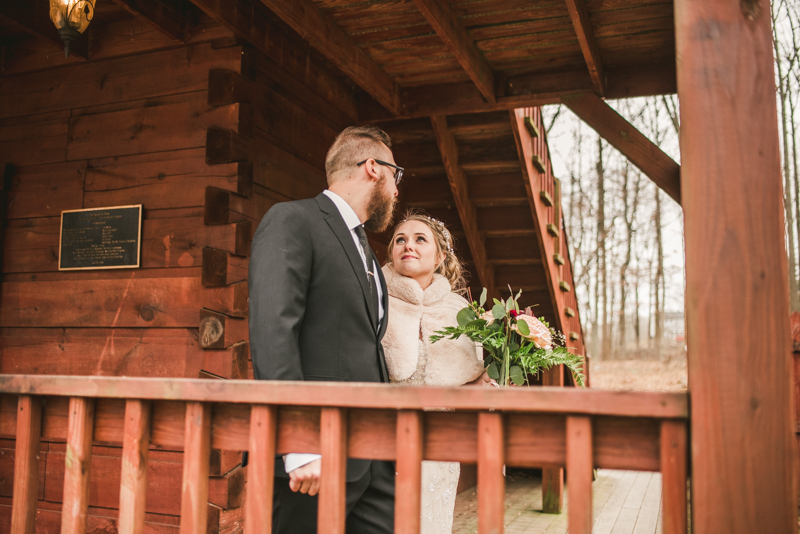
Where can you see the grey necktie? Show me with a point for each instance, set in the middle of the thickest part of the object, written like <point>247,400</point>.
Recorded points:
<point>371,278</point>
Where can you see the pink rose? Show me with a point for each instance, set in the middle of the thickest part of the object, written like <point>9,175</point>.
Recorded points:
<point>539,333</point>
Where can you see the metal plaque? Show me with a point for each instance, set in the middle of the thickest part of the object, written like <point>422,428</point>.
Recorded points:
<point>100,238</point>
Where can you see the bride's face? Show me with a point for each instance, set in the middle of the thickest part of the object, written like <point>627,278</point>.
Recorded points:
<point>414,252</point>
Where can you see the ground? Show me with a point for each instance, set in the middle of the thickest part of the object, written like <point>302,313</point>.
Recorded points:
<point>623,502</point>
<point>639,375</point>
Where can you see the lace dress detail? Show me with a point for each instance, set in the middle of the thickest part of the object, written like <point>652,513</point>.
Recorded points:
<point>439,479</point>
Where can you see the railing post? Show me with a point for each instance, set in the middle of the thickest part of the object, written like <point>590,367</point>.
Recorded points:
<point>491,483</point>
<point>579,474</point>
<point>409,472</point>
<point>26,464</point>
<point>133,481</point>
<point>78,465</point>
<point>196,457</point>
<point>332,498</point>
<point>674,452</point>
<point>261,471</point>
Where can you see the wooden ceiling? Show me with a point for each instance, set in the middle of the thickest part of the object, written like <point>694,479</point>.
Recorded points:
<point>417,58</point>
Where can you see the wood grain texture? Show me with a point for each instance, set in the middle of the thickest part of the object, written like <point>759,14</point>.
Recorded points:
<point>623,136</point>
<point>260,472</point>
<point>466,208</point>
<point>78,461</point>
<point>491,479</point>
<point>674,467</point>
<point>553,479</point>
<point>450,30</point>
<point>325,36</point>
<point>410,436</point>
<point>741,419</point>
<point>165,20</point>
<point>586,38</point>
<point>579,474</point>
<point>26,464</point>
<point>197,446</point>
<point>286,393</point>
<point>333,445</point>
<point>135,452</point>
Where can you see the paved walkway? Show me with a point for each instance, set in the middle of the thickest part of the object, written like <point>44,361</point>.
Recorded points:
<point>624,502</point>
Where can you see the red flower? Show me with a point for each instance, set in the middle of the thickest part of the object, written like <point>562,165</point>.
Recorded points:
<point>513,314</point>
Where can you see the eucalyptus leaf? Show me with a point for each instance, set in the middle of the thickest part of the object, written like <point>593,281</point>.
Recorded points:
<point>496,301</point>
<point>510,304</point>
<point>484,294</point>
<point>523,328</point>
<point>513,346</point>
<point>495,327</point>
<point>476,324</point>
<point>465,316</point>
<point>499,311</point>
<point>492,371</point>
<point>517,375</point>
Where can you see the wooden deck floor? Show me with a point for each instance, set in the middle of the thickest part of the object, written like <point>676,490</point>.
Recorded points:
<point>625,502</point>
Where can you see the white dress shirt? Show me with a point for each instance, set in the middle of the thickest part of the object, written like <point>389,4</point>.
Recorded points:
<point>294,460</point>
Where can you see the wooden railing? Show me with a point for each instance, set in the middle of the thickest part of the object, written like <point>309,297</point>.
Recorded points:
<point>519,427</point>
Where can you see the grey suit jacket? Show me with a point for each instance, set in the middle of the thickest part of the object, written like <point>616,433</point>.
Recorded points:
<point>311,315</point>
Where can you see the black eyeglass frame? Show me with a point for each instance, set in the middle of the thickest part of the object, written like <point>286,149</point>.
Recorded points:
<point>398,171</point>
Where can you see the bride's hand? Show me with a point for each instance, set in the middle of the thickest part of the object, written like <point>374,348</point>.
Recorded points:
<point>482,380</point>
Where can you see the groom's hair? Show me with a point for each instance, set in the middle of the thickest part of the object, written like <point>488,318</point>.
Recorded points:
<point>353,145</point>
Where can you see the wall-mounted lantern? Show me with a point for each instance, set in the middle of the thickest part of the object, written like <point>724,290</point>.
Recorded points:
<point>71,18</point>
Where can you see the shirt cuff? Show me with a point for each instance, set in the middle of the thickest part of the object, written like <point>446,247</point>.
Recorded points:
<point>294,460</point>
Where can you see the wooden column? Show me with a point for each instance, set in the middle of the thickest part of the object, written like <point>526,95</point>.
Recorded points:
<point>553,478</point>
<point>408,484</point>
<point>135,452</point>
<point>26,464</point>
<point>737,310</point>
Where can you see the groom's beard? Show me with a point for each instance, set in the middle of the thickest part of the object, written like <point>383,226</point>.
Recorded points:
<point>380,209</point>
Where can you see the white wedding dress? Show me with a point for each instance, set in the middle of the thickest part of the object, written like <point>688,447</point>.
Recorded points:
<point>411,359</point>
<point>439,479</point>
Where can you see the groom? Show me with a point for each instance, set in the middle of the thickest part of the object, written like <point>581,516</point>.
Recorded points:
<point>318,311</point>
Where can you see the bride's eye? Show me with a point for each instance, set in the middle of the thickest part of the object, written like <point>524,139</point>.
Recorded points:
<point>399,241</point>
<point>421,238</point>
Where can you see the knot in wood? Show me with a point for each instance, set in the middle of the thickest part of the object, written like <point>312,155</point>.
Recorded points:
<point>751,9</point>
<point>147,313</point>
<point>211,330</point>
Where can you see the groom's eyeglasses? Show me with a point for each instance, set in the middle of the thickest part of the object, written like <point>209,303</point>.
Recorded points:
<point>398,171</point>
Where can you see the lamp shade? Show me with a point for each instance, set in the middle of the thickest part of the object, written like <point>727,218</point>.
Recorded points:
<point>71,18</point>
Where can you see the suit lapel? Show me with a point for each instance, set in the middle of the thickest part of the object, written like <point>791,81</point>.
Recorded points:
<point>342,233</point>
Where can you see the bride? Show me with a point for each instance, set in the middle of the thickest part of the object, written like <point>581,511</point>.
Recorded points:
<point>423,278</point>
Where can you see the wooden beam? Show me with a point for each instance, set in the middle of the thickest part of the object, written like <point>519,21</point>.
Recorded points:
<point>623,136</point>
<point>466,208</point>
<point>161,17</point>
<point>741,418</point>
<point>526,90</point>
<point>371,396</point>
<point>455,37</point>
<point>34,18</point>
<point>328,39</point>
<point>591,53</point>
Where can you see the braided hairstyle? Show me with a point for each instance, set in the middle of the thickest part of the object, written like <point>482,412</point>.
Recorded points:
<point>451,267</point>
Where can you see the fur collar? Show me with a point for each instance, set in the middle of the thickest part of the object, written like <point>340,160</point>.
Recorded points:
<point>408,290</point>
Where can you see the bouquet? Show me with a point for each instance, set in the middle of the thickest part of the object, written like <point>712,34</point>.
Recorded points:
<point>517,344</point>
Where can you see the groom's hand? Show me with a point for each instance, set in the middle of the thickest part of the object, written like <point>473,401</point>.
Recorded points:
<point>305,479</point>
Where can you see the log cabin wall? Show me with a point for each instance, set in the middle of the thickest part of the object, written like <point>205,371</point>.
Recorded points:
<point>206,135</point>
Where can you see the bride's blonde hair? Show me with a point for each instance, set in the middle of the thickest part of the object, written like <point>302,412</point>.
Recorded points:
<point>450,267</point>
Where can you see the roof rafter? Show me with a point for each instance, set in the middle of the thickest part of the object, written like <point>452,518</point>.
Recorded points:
<point>328,39</point>
<point>623,136</point>
<point>450,30</point>
<point>34,18</point>
<point>161,17</point>
<point>591,53</point>
<point>466,208</point>
<point>528,90</point>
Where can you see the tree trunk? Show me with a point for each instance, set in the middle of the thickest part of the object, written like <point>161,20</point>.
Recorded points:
<point>794,298</point>
<point>659,304</point>
<point>602,286</point>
